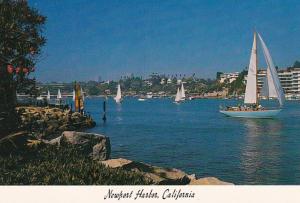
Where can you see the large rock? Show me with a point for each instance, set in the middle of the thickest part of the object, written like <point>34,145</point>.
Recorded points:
<point>95,145</point>
<point>161,176</point>
<point>208,181</point>
<point>156,175</point>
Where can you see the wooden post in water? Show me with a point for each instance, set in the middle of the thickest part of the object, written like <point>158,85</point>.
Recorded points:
<point>104,111</point>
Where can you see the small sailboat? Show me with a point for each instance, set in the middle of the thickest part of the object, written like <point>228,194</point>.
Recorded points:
<point>73,96</point>
<point>58,97</point>
<point>118,97</point>
<point>252,108</point>
<point>182,91</point>
<point>48,96</point>
<point>141,99</point>
<point>178,96</point>
<point>58,94</point>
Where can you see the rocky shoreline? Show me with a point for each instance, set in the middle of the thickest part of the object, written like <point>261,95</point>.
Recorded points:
<point>55,127</point>
<point>48,122</point>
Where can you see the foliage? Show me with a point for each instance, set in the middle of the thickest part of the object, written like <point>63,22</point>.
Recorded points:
<point>296,64</point>
<point>50,165</point>
<point>20,46</point>
<point>238,86</point>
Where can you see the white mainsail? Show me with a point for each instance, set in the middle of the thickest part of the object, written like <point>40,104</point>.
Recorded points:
<point>178,95</point>
<point>276,89</point>
<point>73,97</point>
<point>182,92</point>
<point>48,96</point>
<point>119,95</point>
<point>58,94</point>
<point>251,87</point>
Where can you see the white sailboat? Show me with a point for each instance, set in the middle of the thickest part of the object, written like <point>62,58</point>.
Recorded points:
<point>48,96</point>
<point>272,88</point>
<point>178,96</point>
<point>58,98</point>
<point>73,96</point>
<point>182,91</point>
<point>118,97</point>
<point>58,95</point>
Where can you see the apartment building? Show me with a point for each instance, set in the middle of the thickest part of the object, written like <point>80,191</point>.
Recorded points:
<point>289,79</point>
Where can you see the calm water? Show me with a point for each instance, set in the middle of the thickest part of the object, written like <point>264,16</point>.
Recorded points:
<point>196,138</point>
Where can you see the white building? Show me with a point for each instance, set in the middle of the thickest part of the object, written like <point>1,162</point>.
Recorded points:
<point>230,77</point>
<point>289,80</point>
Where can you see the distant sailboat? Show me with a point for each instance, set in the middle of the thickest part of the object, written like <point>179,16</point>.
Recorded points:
<point>58,94</point>
<point>118,97</point>
<point>272,88</point>
<point>48,96</point>
<point>178,96</point>
<point>73,98</point>
<point>182,91</point>
<point>59,97</point>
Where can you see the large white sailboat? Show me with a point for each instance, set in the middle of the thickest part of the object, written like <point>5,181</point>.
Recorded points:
<point>118,97</point>
<point>271,88</point>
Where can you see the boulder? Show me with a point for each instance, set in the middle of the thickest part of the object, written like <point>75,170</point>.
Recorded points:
<point>161,176</point>
<point>156,175</point>
<point>208,181</point>
<point>94,145</point>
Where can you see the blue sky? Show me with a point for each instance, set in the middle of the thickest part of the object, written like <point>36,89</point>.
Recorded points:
<point>87,39</point>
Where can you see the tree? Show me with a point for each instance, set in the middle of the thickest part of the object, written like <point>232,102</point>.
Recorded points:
<point>296,64</point>
<point>21,39</point>
<point>218,75</point>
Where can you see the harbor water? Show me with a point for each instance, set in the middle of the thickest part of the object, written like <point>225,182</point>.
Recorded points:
<point>194,137</point>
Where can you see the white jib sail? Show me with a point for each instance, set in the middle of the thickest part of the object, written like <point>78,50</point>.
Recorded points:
<point>48,96</point>
<point>119,95</point>
<point>268,89</point>
<point>59,94</point>
<point>178,95</point>
<point>277,89</point>
<point>251,87</point>
<point>73,97</point>
<point>182,92</point>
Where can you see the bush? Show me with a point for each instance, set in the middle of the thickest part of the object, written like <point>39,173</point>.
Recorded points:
<point>50,165</point>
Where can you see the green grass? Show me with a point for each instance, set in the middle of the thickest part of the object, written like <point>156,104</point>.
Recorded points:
<point>50,165</point>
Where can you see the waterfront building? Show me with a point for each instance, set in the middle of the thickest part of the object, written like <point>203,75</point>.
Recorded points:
<point>230,77</point>
<point>169,81</point>
<point>289,79</point>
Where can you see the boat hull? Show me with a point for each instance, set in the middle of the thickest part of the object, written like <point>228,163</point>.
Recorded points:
<point>252,114</point>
